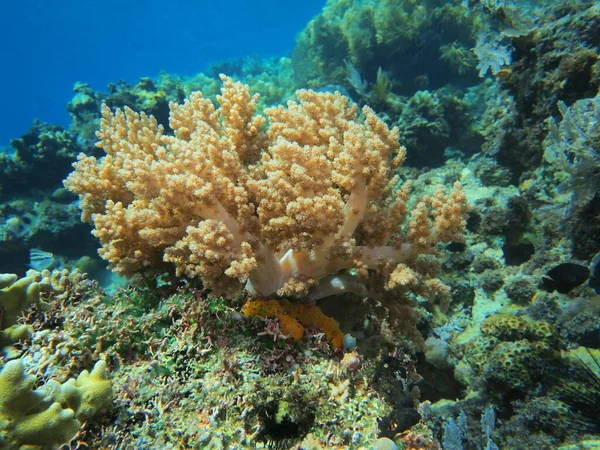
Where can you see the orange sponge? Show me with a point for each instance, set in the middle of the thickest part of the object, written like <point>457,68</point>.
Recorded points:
<point>293,317</point>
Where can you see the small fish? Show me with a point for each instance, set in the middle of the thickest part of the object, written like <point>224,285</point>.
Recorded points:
<point>456,247</point>
<point>565,277</point>
<point>40,260</point>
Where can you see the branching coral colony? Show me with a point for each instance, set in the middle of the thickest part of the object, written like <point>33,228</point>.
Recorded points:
<point>305,207</point>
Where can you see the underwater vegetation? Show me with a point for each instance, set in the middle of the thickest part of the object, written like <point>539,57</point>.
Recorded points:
<point>388,240</point>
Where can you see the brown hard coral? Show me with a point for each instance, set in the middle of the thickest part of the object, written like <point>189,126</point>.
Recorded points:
<point>511,328</point>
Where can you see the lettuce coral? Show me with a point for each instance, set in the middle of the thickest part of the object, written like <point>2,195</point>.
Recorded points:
<point>306,206</point>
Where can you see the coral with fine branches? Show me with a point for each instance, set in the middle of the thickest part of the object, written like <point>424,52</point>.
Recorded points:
<point>309,205</point>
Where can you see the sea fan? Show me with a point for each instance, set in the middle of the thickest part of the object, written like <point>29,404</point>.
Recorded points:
<point>573,145</point>
<point>491,54</point>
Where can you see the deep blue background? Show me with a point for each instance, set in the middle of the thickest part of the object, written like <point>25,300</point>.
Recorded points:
<point>48,45</point>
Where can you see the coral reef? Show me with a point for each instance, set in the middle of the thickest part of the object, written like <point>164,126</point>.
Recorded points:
<point>36,212</point>
<point>557,62</point>
<point>50,223</point>
<point>45,150</point>
<point>286,289</point>
<point>408,39</point>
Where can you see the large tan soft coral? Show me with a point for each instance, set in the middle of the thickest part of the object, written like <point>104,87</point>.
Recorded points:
<point>308,206</point>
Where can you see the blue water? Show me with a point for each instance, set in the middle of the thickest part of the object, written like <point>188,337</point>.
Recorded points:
<point>46,46</point>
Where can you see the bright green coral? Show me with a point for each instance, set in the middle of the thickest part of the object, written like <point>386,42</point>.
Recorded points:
<point>90,394</point>
<point>49,416</point>
<point>29,418</point>
<point>15,296</point>
<point>14,334</point>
